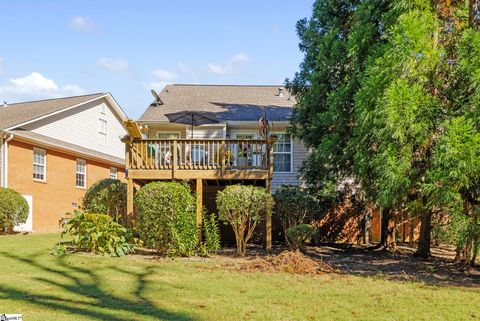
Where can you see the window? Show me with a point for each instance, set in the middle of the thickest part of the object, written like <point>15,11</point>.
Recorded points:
<point>102,131</point>
<point>39,164</point>
<point>113,173</point>
<point>103,109</point>
<point>282,153</point>
<point>81,174</point>
<point>168,135</point>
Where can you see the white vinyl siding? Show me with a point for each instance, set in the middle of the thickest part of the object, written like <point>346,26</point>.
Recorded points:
<point>113,173</point>
<point>39,164</point>
<point>299,154</point>
<point>102,131</point>
<point>81,173</point>
<point>205,132</point>
<point>79,126</point>
<point>282,154</point>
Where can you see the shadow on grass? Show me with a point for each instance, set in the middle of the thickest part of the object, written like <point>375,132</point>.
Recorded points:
<point>97,304</point>
<point>396,266</point>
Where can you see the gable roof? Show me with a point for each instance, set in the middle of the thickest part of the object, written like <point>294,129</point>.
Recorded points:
<point>20,113</point>
<point>64,145</point>
<point>223,102</point>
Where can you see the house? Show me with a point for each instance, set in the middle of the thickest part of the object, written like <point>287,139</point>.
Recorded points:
<point>227,149</point>
<point>52,150</point>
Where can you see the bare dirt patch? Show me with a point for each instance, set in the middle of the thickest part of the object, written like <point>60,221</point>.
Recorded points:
<point>398,265</point>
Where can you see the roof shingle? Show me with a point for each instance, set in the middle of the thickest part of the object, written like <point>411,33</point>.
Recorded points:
<point>224,103</point>
<point>16,114</point>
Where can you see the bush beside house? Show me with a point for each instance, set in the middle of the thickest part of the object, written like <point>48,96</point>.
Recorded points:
<point>243,207</point>
<point>167,217</point>
<point>107,196</point>
<point>13,209</point>
<point>294,206</point>
<point>96,233</point>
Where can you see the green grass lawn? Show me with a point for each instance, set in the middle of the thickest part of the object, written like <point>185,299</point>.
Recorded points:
<point>85,287</point>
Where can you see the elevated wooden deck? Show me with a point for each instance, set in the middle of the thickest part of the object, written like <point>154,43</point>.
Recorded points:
<point>198,160</point>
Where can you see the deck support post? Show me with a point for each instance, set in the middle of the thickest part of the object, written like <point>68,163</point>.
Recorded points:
<point>268,186</point>
<point>199,208</point>
<point>268,222</point>
<point>130,213</point>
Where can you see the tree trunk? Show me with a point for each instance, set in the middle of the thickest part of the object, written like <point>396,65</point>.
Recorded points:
<point>423,249</point>
<point>472,12</point>
<point>412,233</point>
<point>386,236</point>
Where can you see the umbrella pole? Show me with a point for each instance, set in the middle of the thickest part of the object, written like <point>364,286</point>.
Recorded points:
<point>192,128</point>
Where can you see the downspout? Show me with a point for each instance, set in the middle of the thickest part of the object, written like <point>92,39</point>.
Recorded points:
<point>6,138</point>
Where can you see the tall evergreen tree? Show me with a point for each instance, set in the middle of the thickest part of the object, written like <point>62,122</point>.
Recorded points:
<point>389,94</point>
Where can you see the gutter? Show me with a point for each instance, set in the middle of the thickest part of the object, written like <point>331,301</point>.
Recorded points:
<point>7,138</point>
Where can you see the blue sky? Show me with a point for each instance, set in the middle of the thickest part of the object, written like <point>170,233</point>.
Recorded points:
<point>60,48</point>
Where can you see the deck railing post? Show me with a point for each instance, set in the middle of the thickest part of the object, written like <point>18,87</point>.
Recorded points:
<point>222,157</point>
<point>174,158</point>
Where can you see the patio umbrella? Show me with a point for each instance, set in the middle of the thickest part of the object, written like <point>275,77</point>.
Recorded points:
<point>191,118</point>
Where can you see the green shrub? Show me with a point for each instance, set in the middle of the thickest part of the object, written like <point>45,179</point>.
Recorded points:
<point>97,233</point>
<point>243,207</point>
<point>167,218</point>
<point>107,196</point>
<point>294,206</point>
<point>13,209</point>
<point>298,235</point>
<point>211,234</point>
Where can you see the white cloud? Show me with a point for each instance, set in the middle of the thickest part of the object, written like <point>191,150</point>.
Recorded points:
<point>114,65</point>
<point>36,86</point>
<point>230,67</point>
<point>83,24</point>
<point>164,75</point>
<point>162,78</point>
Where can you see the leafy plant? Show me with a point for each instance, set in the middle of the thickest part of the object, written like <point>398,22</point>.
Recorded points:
<point>211,233</point>
<point>167,217</point>
<point>107,196</point>
<point>243,207</point>
<point>13,209</point>
<point>298,235</point>
<point>294,205</point>
<point>97,233</point>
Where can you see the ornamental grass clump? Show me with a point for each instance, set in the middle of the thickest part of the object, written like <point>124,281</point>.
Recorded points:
<point>167,218</point>
<point>243,207</point>
<point>13,209</point>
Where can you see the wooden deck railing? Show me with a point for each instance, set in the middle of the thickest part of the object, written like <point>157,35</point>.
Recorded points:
<point>198,154</point>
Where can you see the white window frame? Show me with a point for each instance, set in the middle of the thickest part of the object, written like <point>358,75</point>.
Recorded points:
<point>79,161</point>
<point>101,132</point>
<point>285,153</point>
<point>113,172</point>
<point>44,165</point>
<point>168,132</point>
<point>255,161</point>
<point>103,109</point>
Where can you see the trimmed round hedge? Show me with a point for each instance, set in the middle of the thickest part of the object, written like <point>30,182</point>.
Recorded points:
<point>13,209</point>
<point>167,217</point>
<point>107,196</point>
